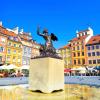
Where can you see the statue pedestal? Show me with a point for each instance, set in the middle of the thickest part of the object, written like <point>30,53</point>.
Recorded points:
<point>46,74</point>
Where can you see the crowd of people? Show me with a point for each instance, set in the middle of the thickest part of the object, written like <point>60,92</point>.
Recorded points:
<point>6,73</point>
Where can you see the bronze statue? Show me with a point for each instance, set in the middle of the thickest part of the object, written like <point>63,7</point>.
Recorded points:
<point>47,49</point>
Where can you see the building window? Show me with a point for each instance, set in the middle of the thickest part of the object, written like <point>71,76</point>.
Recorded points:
<point>79,61</point>
<point>90,61</point>
<point>78,48</point>
<point>93,53</point>
<point>14,59</point>
<point>8,51</point>
<point>19,46</point>
<point>1,49</point>
<point>89,54</point>
<point>3,40</point>
<point>9,43</point>
<point>75,62</point>
<point>94,61</point>
<point>82,53</point>
<point>83,61</point>
<point>8,58</point>
<point>93,47</point>
<point>74,54</point>
<point>88,48</point>
<point>14,51</point>
<point>19,52</point>
<point>82,47</point>
<point>98,61</point>
<point>85,33</point>
<point>98,53</point>
<point>14,45</point>
<point>74,48</point>
<point>78,54</point>
<point>0,58</point>
<point>97,46</point>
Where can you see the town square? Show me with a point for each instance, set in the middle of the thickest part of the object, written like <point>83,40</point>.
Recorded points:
<point>49,50</point>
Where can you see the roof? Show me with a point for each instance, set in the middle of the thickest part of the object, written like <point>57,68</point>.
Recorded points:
<point>25,37</point>
<point>6,32</point>
<point>27,34</point>
<point>64,47</point>
<point>94,40</point>
<point>11,35</point>
<point>79,38</point>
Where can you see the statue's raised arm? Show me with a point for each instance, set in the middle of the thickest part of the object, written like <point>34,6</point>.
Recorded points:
<point>38,32</point>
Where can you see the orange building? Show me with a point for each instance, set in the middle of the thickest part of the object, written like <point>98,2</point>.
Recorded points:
<point>78,49</point>
<point>3,42</point>
<point>10,47</point>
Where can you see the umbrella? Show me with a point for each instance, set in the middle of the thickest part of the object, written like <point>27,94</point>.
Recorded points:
<point>24,67</point>
<point>81,68</point>
<point>11,66</point>
<point>3,67</point>
<point>67,70</point>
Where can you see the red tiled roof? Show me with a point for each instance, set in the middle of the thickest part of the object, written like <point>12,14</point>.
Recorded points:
<point>27,34</point>
<point>6,32</point>
<point>94,40</point>
<point>23,37</point>
<point>66,46</point>
<point>79,38</point>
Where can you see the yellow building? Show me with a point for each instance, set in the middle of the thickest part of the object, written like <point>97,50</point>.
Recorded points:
<point>14,50</point>
<point>78,49</point>
<point>66,55</point>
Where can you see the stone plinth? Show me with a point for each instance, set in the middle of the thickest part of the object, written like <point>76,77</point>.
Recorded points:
<point>46,74</point>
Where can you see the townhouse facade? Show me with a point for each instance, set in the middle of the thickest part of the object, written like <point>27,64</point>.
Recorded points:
<point>3,42</point>
<point>14,51</point>
<point>93,51</point>
<point>35,49</point>
<point>66,55</point>
<point>10,48</point>
<point>78,48</point>
<point>26,39</point>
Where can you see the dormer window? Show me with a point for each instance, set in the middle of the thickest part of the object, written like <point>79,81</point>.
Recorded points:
<point>81,34</point>
<point>85,33</point>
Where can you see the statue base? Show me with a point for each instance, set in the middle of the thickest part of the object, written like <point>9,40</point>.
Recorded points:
<point>46,74</point>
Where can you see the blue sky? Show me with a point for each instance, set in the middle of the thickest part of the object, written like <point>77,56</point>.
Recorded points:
<point>63,17</point>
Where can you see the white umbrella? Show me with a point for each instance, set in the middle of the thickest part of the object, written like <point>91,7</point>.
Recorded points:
<point>24,67</point>
<point>3,67</point>
<point>11,66</point>
<point>81,68</point>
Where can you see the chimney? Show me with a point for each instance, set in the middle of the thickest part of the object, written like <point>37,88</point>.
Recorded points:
<point>0,23</point>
